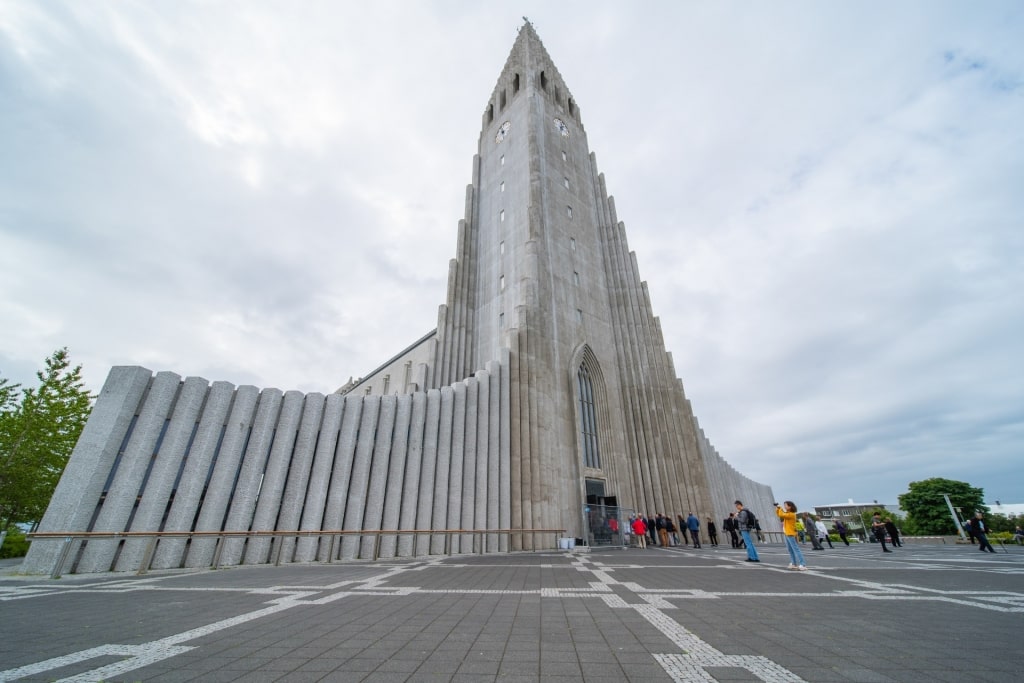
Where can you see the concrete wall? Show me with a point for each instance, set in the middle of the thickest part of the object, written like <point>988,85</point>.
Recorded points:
<point>164,454</point>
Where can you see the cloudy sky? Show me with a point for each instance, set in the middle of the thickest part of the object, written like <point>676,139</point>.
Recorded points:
<point>826,199</point>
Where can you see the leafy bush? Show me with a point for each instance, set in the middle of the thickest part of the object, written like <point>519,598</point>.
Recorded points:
<point>15,545</point>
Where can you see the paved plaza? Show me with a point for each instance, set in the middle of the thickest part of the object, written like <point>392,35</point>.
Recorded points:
<point>922,613</point>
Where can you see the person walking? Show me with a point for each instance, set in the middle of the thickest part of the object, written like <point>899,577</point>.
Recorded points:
<point>812,531</point>
<point>640,532</point>
<point>894,533</point>
<point>729,524</point>
<point>878,526</point>
<point>693,524</point>
<point>788,517</point>
<point>747,523</point>
<point>819,526</point>
<point>662,527</point>
<point>712,533</point>
<point>981,533</point>
<point>841,530</point>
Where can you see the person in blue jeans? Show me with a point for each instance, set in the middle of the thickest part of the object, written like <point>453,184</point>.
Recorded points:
<point>788,517</point>
<point>743,519</point>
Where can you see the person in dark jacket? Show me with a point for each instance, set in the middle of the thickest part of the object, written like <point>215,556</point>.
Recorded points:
<point>878,527</point>
<point>729,524</point>
<point>841,530</point>
<point>894,533</point>
<point>981,533</point>
<point>712,533</point>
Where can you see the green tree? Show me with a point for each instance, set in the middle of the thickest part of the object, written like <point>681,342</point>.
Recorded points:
<point>926,508</point>
<point>37,435</point>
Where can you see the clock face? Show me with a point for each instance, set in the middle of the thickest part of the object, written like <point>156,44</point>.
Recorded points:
<point>502,131</point>
<point>562,128</point>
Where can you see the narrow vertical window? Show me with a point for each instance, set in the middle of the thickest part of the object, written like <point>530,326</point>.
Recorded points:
<point>579,315</point>
<point>501,247</point>
<point>565,157</point>
<point>588,419</point>
<point>566,182</point>
<point>501,215</point>
<point>502,186</point>
<point>572,243</point>
<point>387,384</point>
<point>501,321</point>
<point>568,211</point>
<point>501,283</point>
<point>502,159</point>
<point>515,84</point>
<point>576,278</point>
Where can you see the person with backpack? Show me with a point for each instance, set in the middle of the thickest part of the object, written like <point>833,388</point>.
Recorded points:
<point>747,522</point>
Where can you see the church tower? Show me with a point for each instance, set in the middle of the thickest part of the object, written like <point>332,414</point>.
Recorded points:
<point>543,404</point>
<point>543,268</point>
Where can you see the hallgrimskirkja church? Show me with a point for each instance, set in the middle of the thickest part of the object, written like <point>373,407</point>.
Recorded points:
<point>544,404</point>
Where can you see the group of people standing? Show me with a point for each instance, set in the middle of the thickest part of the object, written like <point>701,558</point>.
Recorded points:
<point>663,531</point>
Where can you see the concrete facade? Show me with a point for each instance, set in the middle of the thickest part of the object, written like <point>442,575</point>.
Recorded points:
<point>545,388</point>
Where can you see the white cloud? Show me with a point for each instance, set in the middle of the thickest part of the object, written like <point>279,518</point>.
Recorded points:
<point>824,200</point>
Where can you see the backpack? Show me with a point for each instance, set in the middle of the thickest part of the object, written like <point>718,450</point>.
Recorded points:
<point>751,519</point>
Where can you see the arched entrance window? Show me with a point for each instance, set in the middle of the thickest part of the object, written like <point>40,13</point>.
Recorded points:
<point>588,419</point>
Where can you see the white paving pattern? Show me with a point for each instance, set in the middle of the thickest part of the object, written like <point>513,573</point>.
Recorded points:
<point>691,663</point>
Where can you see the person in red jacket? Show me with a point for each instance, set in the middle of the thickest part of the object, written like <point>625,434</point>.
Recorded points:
<point>640,531</point>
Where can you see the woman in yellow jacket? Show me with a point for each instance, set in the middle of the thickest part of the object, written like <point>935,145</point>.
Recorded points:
<point>788,517</point>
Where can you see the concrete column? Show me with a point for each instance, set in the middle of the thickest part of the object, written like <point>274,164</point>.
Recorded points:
<point>164,471</point>
<point>458,451</point>
<point>427,492</point>
<point>413,473</point>
<point>227,459</point>
<point>504,451</point>
<point>250,475</point>
<point>337,496</point>
<point>78,492</point>
<point>170,552</point>
<point>131,472</point>
<point>294,499</point>
<point>397,471</point>
<point>355,505</point>
<point>319,479</point>
<point>483,432</point>
<point>268,503</point>
<point>439,518</point>
<point>469,457</point>
<point>373,506</point>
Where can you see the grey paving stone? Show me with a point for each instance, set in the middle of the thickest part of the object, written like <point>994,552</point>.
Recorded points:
<point>603,616</point>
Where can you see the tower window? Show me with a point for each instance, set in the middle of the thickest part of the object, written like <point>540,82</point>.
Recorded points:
<point>504,100</point>
<point>501,247</point>
<point>502,159</point>
<point>515,84</point>
<point>501,283</point>
<point>566,182</point>
<point>572,108</point>
<point>501,215</point>
<point>501,321</point>
<point>568,211</point>
<point>502,185</point>
<point>572,243</point>
<point>543,81</point>
<point>387,384</point>
<point>565,157</point>
<point>490,113</point>
<point>576,279</point>
<point>588,419</point>
<point>579,315</point>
